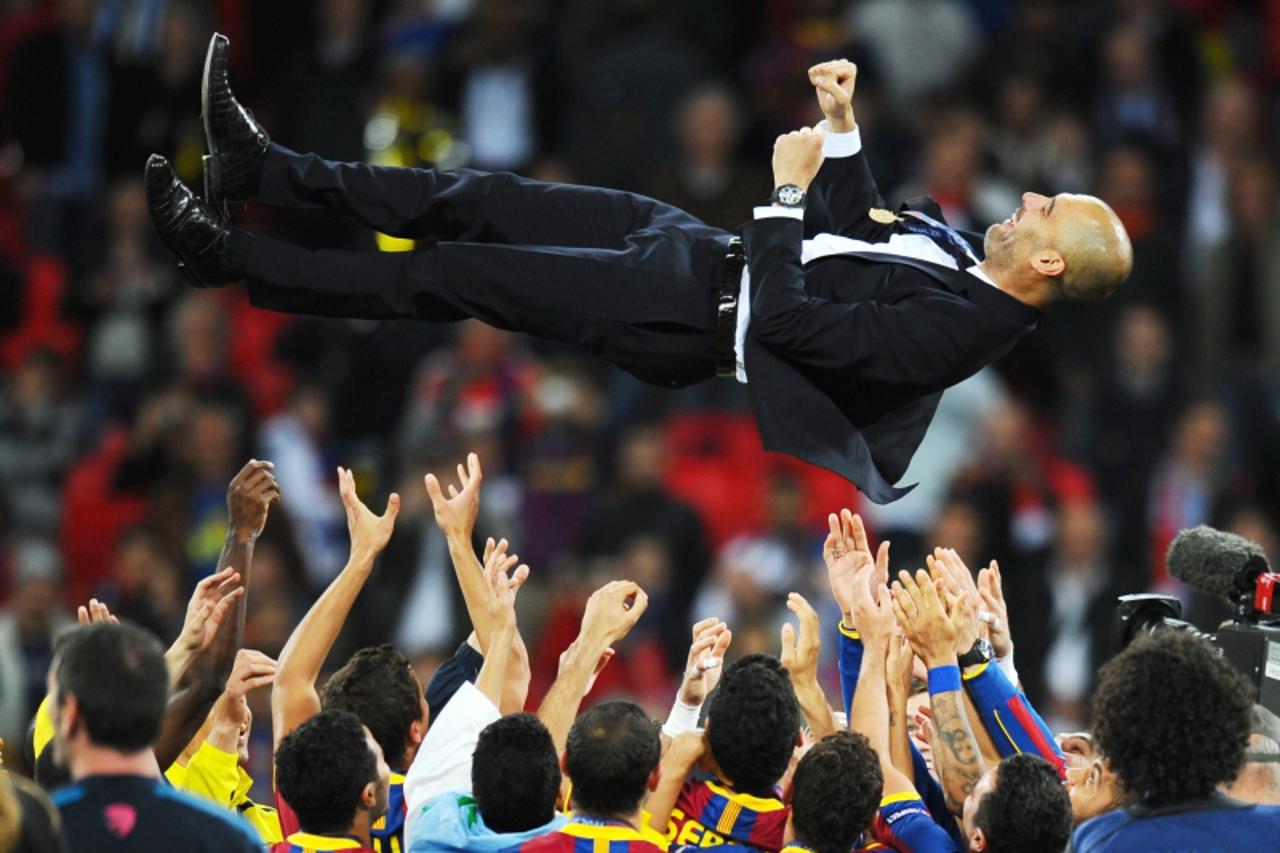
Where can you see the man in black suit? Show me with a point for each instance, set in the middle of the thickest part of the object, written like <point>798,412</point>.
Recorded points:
<point>849,319</point>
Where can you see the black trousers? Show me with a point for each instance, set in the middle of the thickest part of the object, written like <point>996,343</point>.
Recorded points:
<point>631,279</point>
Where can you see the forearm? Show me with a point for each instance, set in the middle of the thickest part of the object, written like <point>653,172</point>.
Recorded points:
<point>955,755</point>
<point>986,745</point>
<point>1013,724</point>
<point>663,799</point>
<point>293,696</point>
<point>470,574</point>
<point>816,710</point>
<point>560,706</point>
<point>899,736</point>
<point>492,679</point>
<point>869,714</point>
<point>850,664</point>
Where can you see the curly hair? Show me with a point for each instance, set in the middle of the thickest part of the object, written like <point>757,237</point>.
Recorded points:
<point>611,751</point>
<point>835,792</point>
<point>378,686</point>
<point>322,768</point>
<point>754,719</point>
<point>515,774</point>
<point>1028,810</point>
<point>1172,718</point>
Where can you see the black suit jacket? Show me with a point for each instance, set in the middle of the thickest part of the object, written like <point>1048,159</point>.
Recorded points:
<point>848,356</point>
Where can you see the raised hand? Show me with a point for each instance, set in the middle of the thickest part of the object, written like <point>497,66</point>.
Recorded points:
<point>230,716</point>
<point>456,514</point>
<point>96,613</point>
<point>249,496</point>
<point>711,639</point>
<point>207,608</point>
<point>872,608</point>
<point>800,651</point>
<point>369,532</point>
<point>847,554</point>
<point>898,666</point>
<point>955,581</point>
<point>924,619</point>
<point>994,612</point>
<point>502,587</point>
<point>834,82</point>
<point>797,156</point>
<point>612,611</point>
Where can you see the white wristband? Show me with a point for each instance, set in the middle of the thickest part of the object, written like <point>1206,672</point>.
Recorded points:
<point>683,718</point>
<point>1006,666</point>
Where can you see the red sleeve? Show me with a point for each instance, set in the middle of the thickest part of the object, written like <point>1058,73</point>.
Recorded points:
<point>288,820</point>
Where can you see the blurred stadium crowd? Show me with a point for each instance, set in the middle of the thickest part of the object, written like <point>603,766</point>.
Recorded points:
<point>130,400</point>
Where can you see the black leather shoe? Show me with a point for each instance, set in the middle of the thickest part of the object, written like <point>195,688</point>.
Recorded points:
<point>190,229</point>
<point>237,143</point>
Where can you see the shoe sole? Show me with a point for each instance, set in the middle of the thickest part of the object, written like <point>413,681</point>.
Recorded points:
<point>212,185</point>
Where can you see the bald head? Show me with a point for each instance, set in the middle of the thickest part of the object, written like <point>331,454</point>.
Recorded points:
<point>1094,247</point>
<point>1059,250</point>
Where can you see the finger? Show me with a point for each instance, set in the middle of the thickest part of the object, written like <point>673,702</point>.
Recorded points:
<point>462,476</point>
<point>800,606</point>
<point>723,639</point>
<point>393,507</point>
<point>433,489</point>
<point>346,487</point>
<point>837,534</point>
<point>226,586</point>
<point>788,641</point>
<point>882,561</point>
<point>999,578</point>
<point>473,470</point>
<point>82,615</point>
<point>488,549</point>
<point>639,605</point>
<point>834,89</point>
<point>703,624</point>
<point>453,491</point>
<point>220,609</point>
<point>252,684</point>
<point>215,578</point>
<point>859,532</point>
<point>257,656</point>
<point>519,577</point>
<point>899,611</point>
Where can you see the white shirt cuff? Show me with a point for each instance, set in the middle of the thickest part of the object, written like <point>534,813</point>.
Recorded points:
<point>835,145</point>
<point>775,212</point>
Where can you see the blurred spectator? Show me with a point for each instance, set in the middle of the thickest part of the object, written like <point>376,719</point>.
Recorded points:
<point>55,102</point>
<point>952,174</point>
<point>924,45</point>
<point>1066,633</point>
<point>1134,99</point>
<point>1229,128</point>
<point>155,98</point>
<point>637,505</point>
<point>122,298</point>
<point>505,100</point>
<point>39,433</point>
<point>29,623</point>
<point>710,180</point>
<point>1189,481</point>
<point>1237,321</point>
<point>299,442</point>
<point>147,584</point>
<point>753,573</point>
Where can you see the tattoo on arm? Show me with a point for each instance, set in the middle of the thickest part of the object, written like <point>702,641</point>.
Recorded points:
<point>959,762</point>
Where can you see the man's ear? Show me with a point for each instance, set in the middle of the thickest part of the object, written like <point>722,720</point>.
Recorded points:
<point>977,841</point>
<point>68,717</point>
<point>369,796</point>
<point>1048,262</point>
<point>417,732</point>
<point>654,777</point>
<point>799,738</point>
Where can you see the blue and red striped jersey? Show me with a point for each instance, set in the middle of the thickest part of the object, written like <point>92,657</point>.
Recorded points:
<point>587,835</point>
<point>904,824</point>
<point>709,814</point>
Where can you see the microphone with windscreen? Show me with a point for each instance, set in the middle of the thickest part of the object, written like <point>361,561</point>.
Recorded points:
<point>1227,566</point>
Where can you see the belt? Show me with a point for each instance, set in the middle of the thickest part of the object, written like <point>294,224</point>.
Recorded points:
<point>730,283</point>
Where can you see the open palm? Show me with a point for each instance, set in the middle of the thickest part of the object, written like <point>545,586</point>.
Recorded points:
<point>369,532</point>
<point>848,554</point>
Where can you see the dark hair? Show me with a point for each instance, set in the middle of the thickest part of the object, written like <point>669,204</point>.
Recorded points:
<point>116,673</point>
<point>1028,811</point>
<point>835,792</point>
<point>515,774</point>
<point>1170,689</point>
<point>753,722</point>
<point>378,686</point>
<point>611,751</point>
<point>322,768</point>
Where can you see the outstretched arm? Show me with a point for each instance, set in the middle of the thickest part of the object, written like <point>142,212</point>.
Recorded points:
<point>294,699</point>
<point>844,191</point>
<point>456,516</point>
<point>800,657</point>
<point>249,497</point>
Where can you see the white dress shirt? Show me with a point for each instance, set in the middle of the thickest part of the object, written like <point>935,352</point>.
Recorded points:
<point>443,762</point>
<point>918,246</point>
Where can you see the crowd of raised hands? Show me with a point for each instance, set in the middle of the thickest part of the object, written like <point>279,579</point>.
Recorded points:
<point>933,747</point>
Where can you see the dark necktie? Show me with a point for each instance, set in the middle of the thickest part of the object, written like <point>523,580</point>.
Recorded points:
<point>946,238</point>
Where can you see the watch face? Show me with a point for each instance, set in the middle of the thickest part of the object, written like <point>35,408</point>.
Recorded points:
<point>791,195</point>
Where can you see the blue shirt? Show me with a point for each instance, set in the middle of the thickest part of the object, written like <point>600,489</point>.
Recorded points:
<point>1216,825</point>
<point>128,813</point>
